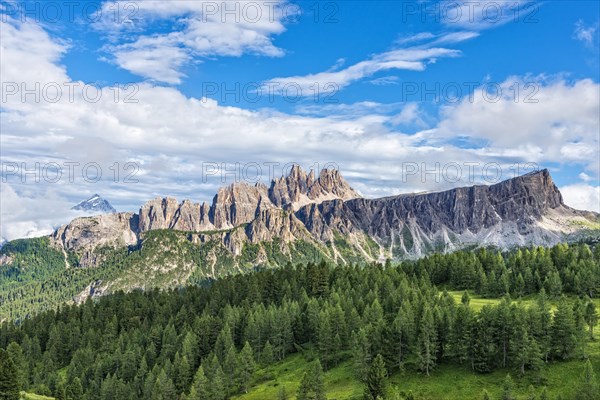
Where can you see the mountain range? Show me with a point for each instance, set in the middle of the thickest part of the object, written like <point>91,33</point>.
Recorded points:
<point>303,217</point>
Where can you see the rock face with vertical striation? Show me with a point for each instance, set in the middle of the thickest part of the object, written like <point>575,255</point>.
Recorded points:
<point>326,212</point>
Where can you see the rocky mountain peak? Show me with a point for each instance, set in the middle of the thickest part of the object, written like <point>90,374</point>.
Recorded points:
<point>331,185</point>
<point>299,188</point>
<point>95,204</point>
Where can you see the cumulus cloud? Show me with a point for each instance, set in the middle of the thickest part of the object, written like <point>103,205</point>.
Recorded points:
<point>582,196</point>
<point>539,118</point>
<point>205,29</point>
<point>171,136</point>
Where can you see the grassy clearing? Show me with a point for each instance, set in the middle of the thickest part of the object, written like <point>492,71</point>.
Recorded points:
<point>31,396</point>
<point>447,382</point>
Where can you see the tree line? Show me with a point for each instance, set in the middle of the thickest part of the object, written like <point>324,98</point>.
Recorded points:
<point>208,342</point>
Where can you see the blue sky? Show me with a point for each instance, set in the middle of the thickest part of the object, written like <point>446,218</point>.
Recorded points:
<point>201,78</point>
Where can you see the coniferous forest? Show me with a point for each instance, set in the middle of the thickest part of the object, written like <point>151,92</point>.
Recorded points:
<point>216,340</point>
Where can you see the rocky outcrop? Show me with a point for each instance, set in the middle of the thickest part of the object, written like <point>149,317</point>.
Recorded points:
<point>299,189</point>
<point>84,235</point>
<point>510,212</point>
<point>238,204</point>
<point>525,210</point>
<point>241,203</point>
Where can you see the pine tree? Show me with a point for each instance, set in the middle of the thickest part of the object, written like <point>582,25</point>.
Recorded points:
<point>485,395</point>
<point>267,355</point>
<point>563,331</point>
<point>164,389</point>
<point>15,352</point>
<point>183,372</point>
<point>74,389</point>
<point>588,388</point>
<point>230,368</point>
<point>326,343</point>
<point>9,378</point>
<point>246,366</point>
<point>427,342</point>
<point>361,354</point>
<point>507,388</point>
<point>217,387</point>
<point>376,380</point>
<point>581,336</point>
<point>544,325</point>
<point>200,387</point>
<point>460,336</point>
<point>591,315</point>
<point>312,386</point>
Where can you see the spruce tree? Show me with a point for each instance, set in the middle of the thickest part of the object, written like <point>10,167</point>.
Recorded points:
<point>217,387</point>
<point>74,389</point>
<point>15,352</point>
<point>9,378</point>
<point>246,366</point>
<point>361,354</point>
<point>507,388</point>
<point>312,386</point>
<point>588,387</point>
<point>563,330</point>
<point>267,355</point>
<point>427,342</point>
<point>200,386</point>
<point>376,380</point>
<point>591,315</point>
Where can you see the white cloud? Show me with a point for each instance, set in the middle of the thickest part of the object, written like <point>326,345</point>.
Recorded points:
<point>546,121</point>
<point>170,135</point>
<point>30,216</point>
<point>586,34</point>
<point>417,37</point>
<point>585,177</point>
<point>385,81</point>
<point>153,58</point>
<point>29,55</point>
<point>582,196</point>
<point>413,59</point>
<point>205,29</point>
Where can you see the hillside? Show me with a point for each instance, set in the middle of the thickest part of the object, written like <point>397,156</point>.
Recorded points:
<point>297,219</point>
<point>249,335</point>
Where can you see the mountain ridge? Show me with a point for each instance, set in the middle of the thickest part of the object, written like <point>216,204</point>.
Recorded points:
<point>168,244</point>
<point>527,209</point>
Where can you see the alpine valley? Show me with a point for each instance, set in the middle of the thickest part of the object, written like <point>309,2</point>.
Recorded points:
<point>299,218</point>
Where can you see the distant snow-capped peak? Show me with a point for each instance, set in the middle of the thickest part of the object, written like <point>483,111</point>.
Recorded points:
<point>95,204</point>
